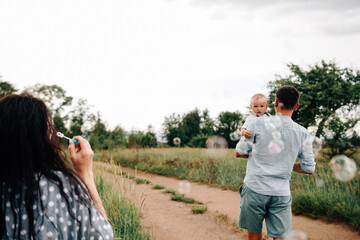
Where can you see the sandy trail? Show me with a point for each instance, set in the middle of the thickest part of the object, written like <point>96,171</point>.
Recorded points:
<point>167,219</point>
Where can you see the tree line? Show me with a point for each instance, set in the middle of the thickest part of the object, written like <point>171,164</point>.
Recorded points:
<point>329,107</point>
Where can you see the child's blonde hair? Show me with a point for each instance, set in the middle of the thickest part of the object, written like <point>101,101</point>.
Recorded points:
<point>256,97</point>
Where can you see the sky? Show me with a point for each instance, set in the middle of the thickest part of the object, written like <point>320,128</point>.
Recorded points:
<point>138,61</point>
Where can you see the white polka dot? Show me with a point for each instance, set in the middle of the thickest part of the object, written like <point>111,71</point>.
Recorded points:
<point>100,238</point>
<point>86,218</point>
<point>58,196</point>
<point>76,197</point>
<point>42,228</point>
<point>99,227</point>
<point>24,217</point>
<point>72,186</point>
<point>81,207</point>
<point>42,183</point>
<point>65,229</point>
<point>66,190</point>
<point>23,232</point>
<point>69,223</point>
<point>51,203</point>
<point>67,214</point>
<point>17,195</point>
<point>92,229</point>
<point>72,234</point>
<point>92,238</point>
<point>73,210</point>
<point>84,229</point>
<point>56,210</point>
<point>51,218</point>
<point>51,189</point>
<point>61,219</point>
<point>70,199</point>
<point>63,205</point>
<point>105,226</point>
<point>107,236</point>
<point>34,206</point>
<point>7,218</point>
<point>8,204</point>
<point>49,234</point>
<point>77,228</point>
<point>43,197</point>
<point>13,226</point>
<point>79,218</point>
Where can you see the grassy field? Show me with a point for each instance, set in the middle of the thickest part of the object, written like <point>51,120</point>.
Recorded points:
<point>319,195</point>
<point>122,213</point>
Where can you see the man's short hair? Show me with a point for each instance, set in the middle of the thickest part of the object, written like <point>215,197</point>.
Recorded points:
<point>288,97</point>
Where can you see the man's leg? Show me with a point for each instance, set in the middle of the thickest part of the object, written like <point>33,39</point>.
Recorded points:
<point>254,236</point>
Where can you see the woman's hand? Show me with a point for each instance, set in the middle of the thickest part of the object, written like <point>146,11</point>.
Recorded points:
<point>81,156</point>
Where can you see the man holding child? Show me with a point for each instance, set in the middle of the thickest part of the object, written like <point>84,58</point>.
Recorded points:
<point>265,193</point>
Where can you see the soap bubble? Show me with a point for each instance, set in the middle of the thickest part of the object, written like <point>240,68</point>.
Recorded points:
<point>235,136</point>
<point>276,146</point>
<point>298,235</point>
<point>319,182</point>
<point>344,168</point>
<point>276,135</point>
<point>216,145</point>
<point>245,148</point>
<point>184,187</point>
<point>316,144</point>
<point>272,123</point>
<point>216,142</point>
<point>177,141</point>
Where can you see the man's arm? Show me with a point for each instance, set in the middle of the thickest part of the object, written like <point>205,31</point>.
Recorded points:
<point>297,168</point>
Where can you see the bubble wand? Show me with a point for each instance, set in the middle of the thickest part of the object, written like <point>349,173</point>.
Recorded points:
<point>61,135</point>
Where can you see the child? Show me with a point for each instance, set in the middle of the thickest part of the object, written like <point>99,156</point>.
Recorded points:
<point>258,105</point>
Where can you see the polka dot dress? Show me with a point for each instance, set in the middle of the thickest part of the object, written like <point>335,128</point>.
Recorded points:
<point>60,219</point>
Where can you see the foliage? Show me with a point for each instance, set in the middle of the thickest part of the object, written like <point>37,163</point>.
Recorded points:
<point>228,122</point>
<point>122,213</point>
<point>138,139</point>
<point>6,88</point>
<point>326,91</point>
<point>199,209</point>
<point>194,128</point>
<point>82,119</point>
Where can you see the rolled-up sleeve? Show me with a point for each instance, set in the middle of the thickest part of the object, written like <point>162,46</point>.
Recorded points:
<point>306,155</point>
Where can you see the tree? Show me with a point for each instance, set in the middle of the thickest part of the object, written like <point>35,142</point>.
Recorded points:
<point>191,125</point>
<point>329,101</point>
<point>117,137</point>
<point>53,95</point>
<point>326,91</point>
<point>228,122</point>
<point>6,88</point>
<point>56,100</point>
<point>99,136</point>
<point>81,118</point>
<point>173,128</point>
<point>207,125</point>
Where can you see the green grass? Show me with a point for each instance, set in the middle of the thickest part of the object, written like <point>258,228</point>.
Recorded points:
<point>158,186</point>
<point>199,209</point>
<point>122,214</point>
<point>170,191</point>
<point>182,198</point>
<point>333,199</point>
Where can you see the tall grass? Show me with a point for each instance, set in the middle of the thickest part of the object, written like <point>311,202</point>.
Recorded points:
<point>319,195</point>
<point>122,213</point>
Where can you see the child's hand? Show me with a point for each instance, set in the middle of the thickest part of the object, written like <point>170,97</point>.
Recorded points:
<point>247,134</point>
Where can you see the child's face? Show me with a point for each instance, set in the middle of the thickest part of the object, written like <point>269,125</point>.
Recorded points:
<point>259,106</point>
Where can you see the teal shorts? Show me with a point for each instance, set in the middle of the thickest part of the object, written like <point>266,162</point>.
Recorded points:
<point>276,210</point>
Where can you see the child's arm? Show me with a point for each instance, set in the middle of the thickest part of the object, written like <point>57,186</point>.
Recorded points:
<point>245,133</point>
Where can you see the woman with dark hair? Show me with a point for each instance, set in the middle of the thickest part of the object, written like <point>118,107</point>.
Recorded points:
<point>42,197</point>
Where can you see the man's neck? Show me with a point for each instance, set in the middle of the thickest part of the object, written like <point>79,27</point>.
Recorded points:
<point>284,112</point>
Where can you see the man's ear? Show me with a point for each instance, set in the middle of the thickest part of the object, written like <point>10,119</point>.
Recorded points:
<point>276,102</point>
<point>296,106</point>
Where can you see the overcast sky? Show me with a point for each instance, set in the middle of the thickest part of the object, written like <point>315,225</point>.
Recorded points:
<point>138,61</point>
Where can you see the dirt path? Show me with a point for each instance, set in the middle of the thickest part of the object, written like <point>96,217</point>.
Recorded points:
<point>167,219</point>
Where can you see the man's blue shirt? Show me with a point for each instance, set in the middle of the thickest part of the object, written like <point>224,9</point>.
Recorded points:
<point>278,142</point>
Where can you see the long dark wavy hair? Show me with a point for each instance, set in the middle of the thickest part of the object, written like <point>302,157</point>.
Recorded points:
<point>28,147</point>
